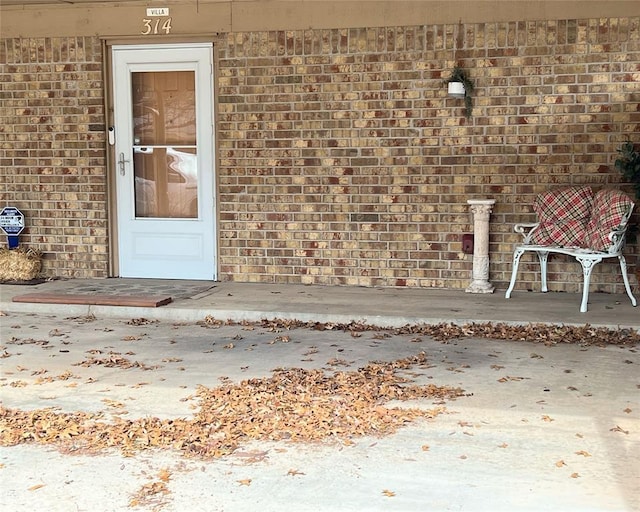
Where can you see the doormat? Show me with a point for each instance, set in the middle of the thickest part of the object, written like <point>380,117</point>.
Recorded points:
<point>142,301</point>
<point>29,282</point>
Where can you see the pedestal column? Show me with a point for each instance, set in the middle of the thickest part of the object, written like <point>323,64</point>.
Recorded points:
<point>481,209</point>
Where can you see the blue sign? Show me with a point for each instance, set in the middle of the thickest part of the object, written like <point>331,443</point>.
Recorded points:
<point>12,223</point>
<point>11,220</point>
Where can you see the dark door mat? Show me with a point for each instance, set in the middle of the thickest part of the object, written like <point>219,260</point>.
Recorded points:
<point>23,283</point>
<point>143,301</point>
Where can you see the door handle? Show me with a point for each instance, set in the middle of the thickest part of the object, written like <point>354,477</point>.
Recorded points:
<point>121,162</point>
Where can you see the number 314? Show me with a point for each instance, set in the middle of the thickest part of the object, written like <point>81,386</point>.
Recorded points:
<point>155,26</point>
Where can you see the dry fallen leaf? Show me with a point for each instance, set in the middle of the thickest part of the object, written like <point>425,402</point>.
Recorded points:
<point>148,492</point>
<point>35,487</point>
<point>140,321</point>
<point>337,362</point>
<point>164,475</point>
<point>388,493</point>
<point>510,378</point>
<point>561,463</point>
<point>294,472</point>
<point>583,453</point>
<point>547,418</point>
<point>112,403</point>
<point>244,481</point>
<point>425,447</point>
<point>618,428</point>
<point>575,475</point>
<point>131,338</point>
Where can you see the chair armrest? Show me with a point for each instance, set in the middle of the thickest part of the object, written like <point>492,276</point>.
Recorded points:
<point>617,237</point>
<point>526,229</point>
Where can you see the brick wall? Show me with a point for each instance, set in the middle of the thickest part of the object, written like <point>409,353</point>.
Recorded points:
<point>343,161</point>
<point>52,150</point>
<point>341,158</point>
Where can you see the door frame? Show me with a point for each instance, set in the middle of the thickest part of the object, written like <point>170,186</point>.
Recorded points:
<point>154,42</point>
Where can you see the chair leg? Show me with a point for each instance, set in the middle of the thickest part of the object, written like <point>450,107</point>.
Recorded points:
<point>514,273</point>
<point>587,267</point>
<point>623,267</point>
<point>543,256</point>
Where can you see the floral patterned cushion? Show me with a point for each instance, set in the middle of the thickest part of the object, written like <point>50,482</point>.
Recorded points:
<point>609,209</point>
<point>563,215</point>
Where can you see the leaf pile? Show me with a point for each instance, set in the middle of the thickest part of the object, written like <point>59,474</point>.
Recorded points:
<point>538,333</point>
<point>294,404</point>
<point>310,405</point>
<point>114,360</point>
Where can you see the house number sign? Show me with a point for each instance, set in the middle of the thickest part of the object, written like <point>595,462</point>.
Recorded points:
<point>156,22</point>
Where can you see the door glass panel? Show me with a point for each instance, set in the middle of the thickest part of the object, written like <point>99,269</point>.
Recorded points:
<point>164,144</point>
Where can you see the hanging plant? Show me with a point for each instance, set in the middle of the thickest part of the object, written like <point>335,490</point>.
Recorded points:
<point>628,163</point>
<point>459,75</point>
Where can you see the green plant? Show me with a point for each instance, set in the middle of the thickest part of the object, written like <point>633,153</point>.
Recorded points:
<point>460,75</point>
<point>628,163</point>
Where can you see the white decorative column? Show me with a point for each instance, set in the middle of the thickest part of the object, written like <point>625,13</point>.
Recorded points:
<point>481,209</point>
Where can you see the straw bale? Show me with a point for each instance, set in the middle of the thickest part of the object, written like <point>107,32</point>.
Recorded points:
<point>19,264</point>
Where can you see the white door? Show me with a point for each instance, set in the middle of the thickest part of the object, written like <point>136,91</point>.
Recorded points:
<point>163,135</point>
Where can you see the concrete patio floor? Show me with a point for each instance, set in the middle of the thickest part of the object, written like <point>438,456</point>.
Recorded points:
<point>540,427</point>
<point>193,300</point>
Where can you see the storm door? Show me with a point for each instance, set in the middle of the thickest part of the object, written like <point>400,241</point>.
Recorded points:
<point>164,167</point>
